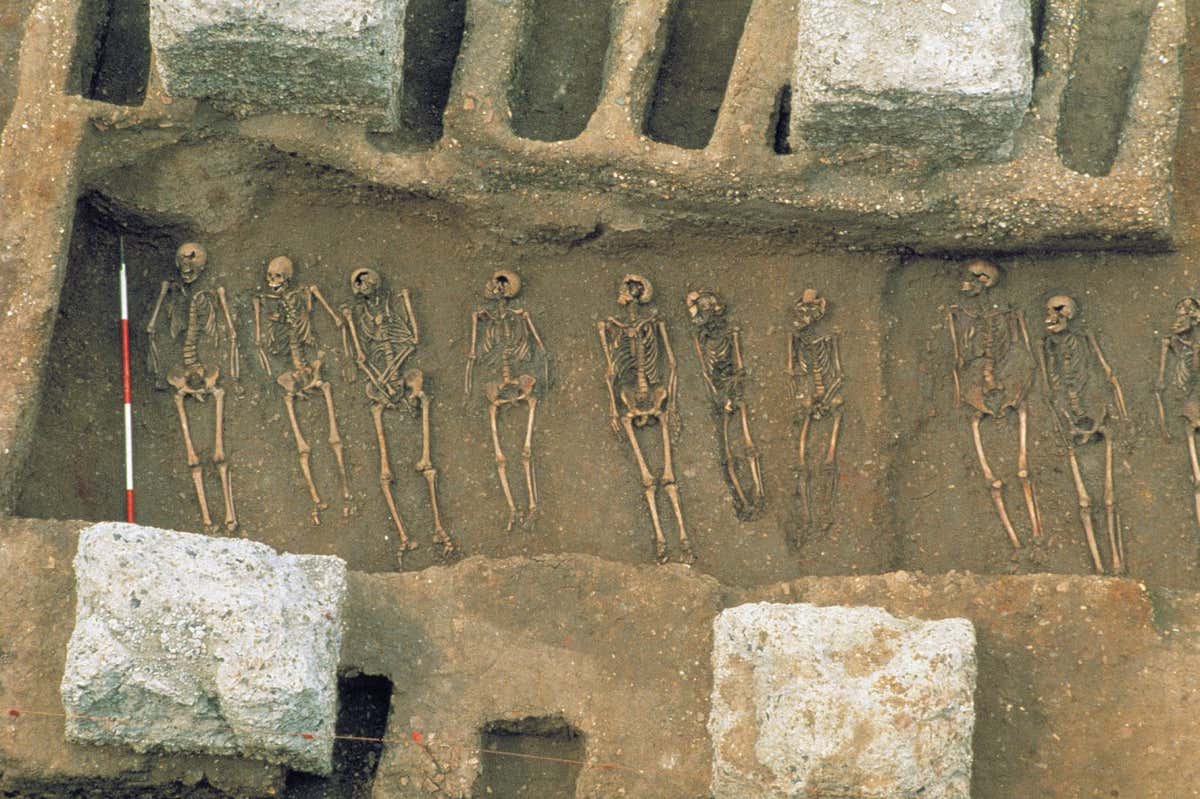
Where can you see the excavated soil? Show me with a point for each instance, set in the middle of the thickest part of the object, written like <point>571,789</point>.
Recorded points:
<point>909,492</point>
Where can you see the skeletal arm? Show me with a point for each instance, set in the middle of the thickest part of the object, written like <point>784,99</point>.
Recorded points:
<point>672,371</point>
<point>314,292</point>
<point>235,360</point>
<point>836,343</point>
<point>1045,370</point>
<point>152,360</point>
<point>791,364</point>
<point>541,345</point>
<point>412,317</point>
<point>712,389</point>
<point>1024,330</point>
<point>471,355</point>
<point>360,357</point>
<point>1118,394</point>
<point>263,361</point>
<point>952,323</point>
<point>1160,384</point>
<point>610,375</point>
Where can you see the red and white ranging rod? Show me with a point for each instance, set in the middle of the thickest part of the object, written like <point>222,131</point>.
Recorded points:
<point>128,394</point>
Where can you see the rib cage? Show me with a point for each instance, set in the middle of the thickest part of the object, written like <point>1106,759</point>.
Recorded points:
<point>198,324</point>
<point>717,354</point>
<point>1187,364</point>
<point>987,336</point>
<point>1067,368</point>
<point>292,331</point>
<point>636,354</point>
<point>388,338</point>
<point>814,359</point>
<point>506,342</point>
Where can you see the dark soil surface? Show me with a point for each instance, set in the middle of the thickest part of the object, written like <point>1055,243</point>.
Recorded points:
<point>701,45</point>
<point>559,68</point>
<point>12,26</point>
<point>1095,102</point>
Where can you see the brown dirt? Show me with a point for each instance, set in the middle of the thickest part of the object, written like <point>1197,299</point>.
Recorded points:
<point>444,262</point>
<point>12,27</point>
<point>910,495</point>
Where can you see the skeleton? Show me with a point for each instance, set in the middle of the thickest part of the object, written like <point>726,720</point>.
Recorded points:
<point>1183,344</point>
<point>641,370</point>
<point>284,314</point>
<point>510,343</point>
<point>815,373</point>
<point>719,348</point>
<point>994,369</point>
<point>1080,417</point>
<point>384,334</point>
<point>198,314</point>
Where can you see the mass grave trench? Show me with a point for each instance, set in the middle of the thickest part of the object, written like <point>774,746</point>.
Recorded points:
<point>909,490</point>
<point>1129,303</point>
<point>591,495</point>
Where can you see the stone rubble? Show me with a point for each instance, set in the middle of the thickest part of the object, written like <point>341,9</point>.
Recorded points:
<point>840,701</point>
<point>338,58</point>
<point>949,81</point>
<point>186,643</point>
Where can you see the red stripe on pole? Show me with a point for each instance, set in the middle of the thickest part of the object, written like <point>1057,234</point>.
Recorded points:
<point>125,360</point>
<point>129,505</point>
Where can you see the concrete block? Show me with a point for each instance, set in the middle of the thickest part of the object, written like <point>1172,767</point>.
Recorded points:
<point>186,643</point>
<point>827,702</point>
<point>947,80</point>
<point>340,58</point>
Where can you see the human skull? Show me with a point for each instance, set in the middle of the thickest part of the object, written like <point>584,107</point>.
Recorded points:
<point>279,272</point>
<point>504,283</point>
<point>1060,310</point>
<point>809,309</point>
<point>704,306</point>
<point>1187,315</point>
<point>191,260</point>
<point>634,288</point>
<point>979,276</point>
<point>364,282</point>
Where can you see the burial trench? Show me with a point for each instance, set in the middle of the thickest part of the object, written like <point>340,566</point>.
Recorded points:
<point>909,494</point>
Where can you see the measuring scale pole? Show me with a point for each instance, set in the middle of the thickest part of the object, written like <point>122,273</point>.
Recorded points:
<point>128,394</point>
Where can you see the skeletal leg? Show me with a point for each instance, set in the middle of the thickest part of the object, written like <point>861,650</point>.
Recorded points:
<point>1115,547</point>
<point>335,441</point>
<point>668,483</point>
<point>501,469</point>
<point>1191,439</point>
<point>731,474</point>
<point>660,542</point>
<point>997,486</point>
<point>753,456</point>
<point>289,399</point>
<point>193,461</point>
<point>231,522</point>
<point>425,467</point>
<point>829,467</point>
<point>1085,511</point>
<point>805,475</point>
<point>1035,516</point>
<point>527,459</point>
<point>385,482</point>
